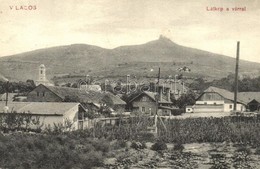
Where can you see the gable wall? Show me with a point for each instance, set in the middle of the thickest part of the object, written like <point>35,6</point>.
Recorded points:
<point>49,96</point>
<point>148,104</point>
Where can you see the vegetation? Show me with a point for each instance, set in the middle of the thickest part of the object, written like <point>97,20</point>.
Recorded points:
<point>17,87</point>
<point>14,121</point>
<point>88,148</point>
<point>190,130</point>
<point>138,145</point>
<point>67,150</point>
<point>246,83</point>
<point>186,99</point>
<point>159,146</point>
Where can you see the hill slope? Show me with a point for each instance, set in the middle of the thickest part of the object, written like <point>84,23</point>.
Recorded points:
<point>136,59</point>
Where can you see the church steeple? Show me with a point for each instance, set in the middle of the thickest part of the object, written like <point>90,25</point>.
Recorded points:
<point>42,76</point>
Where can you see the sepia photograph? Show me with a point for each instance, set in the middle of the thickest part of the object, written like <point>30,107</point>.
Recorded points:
<point>129,84</point>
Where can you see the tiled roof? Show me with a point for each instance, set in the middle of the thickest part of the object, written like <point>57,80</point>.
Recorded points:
<point>225,93</point>
<point>47,108</point>
<point>13,105</point>
<point>41,108</point>
<point>249,96</point>
<point>243,97</point>
<point>83,95</point>
<point>152,96</point>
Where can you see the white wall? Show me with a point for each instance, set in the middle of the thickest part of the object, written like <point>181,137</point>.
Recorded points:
<point>208,108</point>
<point>228,107</point>
<point>210,102</point>
<point>72,116</point>
<point>50,120</point>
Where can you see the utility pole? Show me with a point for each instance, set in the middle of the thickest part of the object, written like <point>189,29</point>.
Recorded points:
<point>127,85</point>
<point>170,77</point>
<point>175,84</point>
<point>182,87</point>
<point>159,76</point>
<point>156,116</point>
<point>105,86</point>
<point>236,77</point>
<point>6,99</point>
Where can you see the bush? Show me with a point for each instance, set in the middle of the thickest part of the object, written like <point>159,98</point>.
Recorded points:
<point>138,145</point>
<point>119,144</point>
<point>178,147</point>
<point>177,112</point>
<point>159,146</point>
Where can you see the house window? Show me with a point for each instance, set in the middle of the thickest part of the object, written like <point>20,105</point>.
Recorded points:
<point>43,94</point>
<point>205,102</point>
<point>41,71</point>
<point>144,99</point>
<point>143,109</point>
<point>230,106</point>
<point>215,103</point>
<point>38,93</point>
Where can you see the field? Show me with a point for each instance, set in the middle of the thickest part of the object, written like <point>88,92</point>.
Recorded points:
<point>226,142</point>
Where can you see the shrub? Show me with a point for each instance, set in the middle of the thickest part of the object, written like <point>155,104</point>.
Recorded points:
<point>119,144</point>
<point>138,145</point>
<point>159,146</point>
<point>178,147</point>
<point>257,151</point>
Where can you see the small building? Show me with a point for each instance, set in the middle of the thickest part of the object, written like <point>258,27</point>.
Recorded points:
<point>215,99</point>
<point>252,99</point>
<point>146,103</point>
<point>51,113</point>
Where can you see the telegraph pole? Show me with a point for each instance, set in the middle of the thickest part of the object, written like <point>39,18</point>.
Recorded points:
<point>6,99</point>
<point>236,77</point>
<point>159,75</point>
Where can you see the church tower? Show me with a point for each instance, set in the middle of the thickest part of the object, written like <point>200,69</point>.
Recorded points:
<point>42,77</point>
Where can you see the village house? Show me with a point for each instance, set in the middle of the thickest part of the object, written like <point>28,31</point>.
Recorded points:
<point>44,93</point>
<point>149,102</point>
<point>215,99</point>
<point>50,113</point>
<point>252,99</point>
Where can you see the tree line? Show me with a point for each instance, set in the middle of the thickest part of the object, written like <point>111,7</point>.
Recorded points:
<point>17,87</point>
<point>245,84</point>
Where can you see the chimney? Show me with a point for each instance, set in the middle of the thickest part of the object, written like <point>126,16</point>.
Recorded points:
<point>160,92</point>
<point>168,94</point>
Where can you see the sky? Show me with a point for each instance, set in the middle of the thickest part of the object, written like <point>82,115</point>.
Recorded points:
<point>113,23</point>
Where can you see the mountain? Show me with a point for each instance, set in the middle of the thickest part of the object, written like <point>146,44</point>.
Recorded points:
<point>138,60</point>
